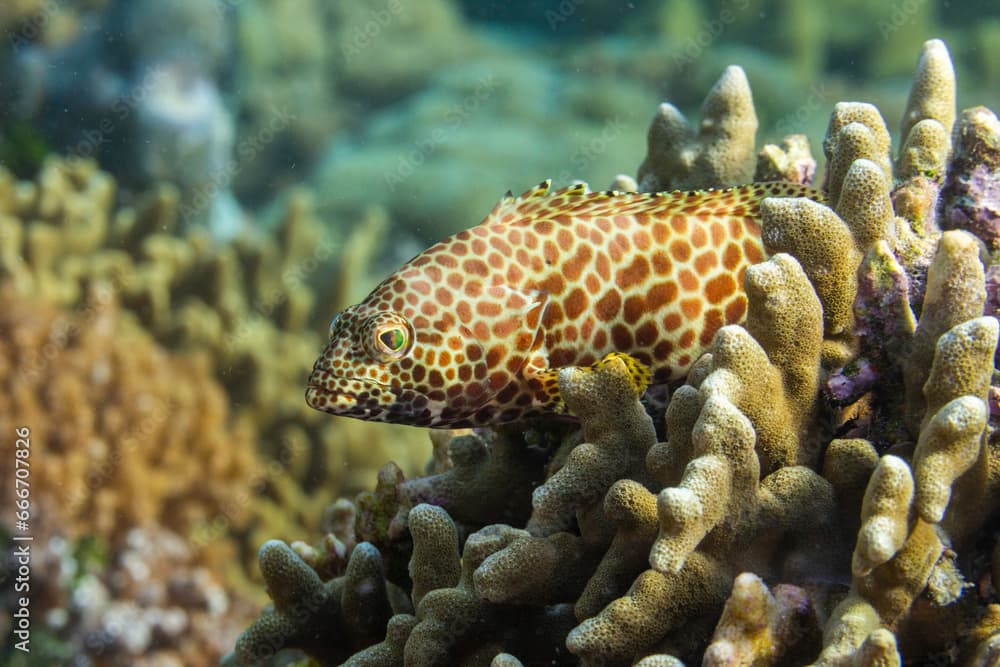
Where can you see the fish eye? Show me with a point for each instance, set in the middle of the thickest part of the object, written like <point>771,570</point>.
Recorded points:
<point>393,339</point>
<point>389,338</point>
<point>333,323</point>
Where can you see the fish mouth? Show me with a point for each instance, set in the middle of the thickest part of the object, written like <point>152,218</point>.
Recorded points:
<point>341,403</point>
<point>347,396</point>
<point>324,389</point>
<point>319,397</point>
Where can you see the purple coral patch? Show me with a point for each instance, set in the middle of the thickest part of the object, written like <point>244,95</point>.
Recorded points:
<point>847,384</point>
<point>975,206</point>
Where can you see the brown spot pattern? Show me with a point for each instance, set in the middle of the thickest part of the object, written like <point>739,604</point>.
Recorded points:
<point>607,306</point>
<point>691,308</point>
<point>720,287</point>
<point>680,250</point>
<point>576,302</point>
<point>736,309</point>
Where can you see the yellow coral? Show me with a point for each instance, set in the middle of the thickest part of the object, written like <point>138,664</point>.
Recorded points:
<point>618,434</point>
<point>865,205</point>
<point>722,153</point>
<point>932,94</point>
<point>956,292</point>
<point>224,308</point>
<point>435,550</point>
<point>856,130</point>
<point>823,245</point>
<point>885,515</point>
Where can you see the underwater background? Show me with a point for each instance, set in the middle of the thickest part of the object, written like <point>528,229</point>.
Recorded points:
<point>190,189</point>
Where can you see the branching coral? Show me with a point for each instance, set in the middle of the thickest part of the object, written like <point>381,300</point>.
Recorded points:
<point>717,502</point>
<point>144,360</point>
<point>971,191</point>
<point>490,479</point>
<point>758,625</point>
<point>722,152</point>
<point>610,452</point>
<point>824,464</point>
<point>227,307</point>
<point>305,609</point>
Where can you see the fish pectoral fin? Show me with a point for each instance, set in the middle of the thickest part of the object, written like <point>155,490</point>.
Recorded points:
<point>519,325</point>
<point>519,331</point>
<point>636,371</point>
<point>545,382</point>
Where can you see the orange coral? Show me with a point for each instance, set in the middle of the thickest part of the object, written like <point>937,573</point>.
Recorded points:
<point>123,431</point>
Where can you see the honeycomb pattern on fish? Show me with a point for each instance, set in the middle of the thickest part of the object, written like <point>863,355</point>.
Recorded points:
<point>473,330</point>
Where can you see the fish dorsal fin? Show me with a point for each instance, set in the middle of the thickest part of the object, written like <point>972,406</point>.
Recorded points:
<point>539,190</point>
<point>510,204</point>
<point>752,192</point>
<point>740,200</point>
<point>506,205</point>
<point>765,189</point>
<point>574,190</point>
<point>541,201</point>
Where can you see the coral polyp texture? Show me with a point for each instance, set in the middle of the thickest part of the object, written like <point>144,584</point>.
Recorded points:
<point>821,488</point>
